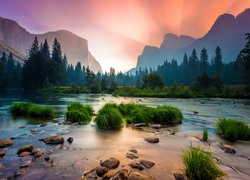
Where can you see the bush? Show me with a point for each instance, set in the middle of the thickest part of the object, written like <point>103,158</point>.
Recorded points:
<point>199,164</point>
<point>77,112</point>
<point>166,115</point>
<point>109,117</point>
<point>32,110</point>
<point>205,135</point>
<point>233,129</point>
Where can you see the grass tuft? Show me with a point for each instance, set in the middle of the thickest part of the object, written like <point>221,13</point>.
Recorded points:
<point>109,117</point>
<point>32,110</point>
<point>77,112</point>
<point>205,135</point>
<point>233,129</point>
<point>199,164</point>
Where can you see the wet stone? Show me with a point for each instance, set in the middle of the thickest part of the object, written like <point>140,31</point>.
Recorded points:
<point>133,150</point>
<point>179,176</point>
<point>228,149</point>
<point>26,164</point>
<point>152,139</point>
<point>100,171</point>
<point>70,140</point>
<point>53,140</point>
<point>3,152</point>
<point>24,154</point>
<point>47,158</point>
<point>147,164</point>
<point>132,155</point>
<point>5,142</point>
<point>122,174</point>
<point>108,175</point>
<point>136,175</point>
<point>110,163</point>
<point>26,148</point>
<point>39,154</point>
<point>136,165</point>
<point>19,172</point>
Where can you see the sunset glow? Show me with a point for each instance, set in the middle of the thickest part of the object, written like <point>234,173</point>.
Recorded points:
<point>117,31</point>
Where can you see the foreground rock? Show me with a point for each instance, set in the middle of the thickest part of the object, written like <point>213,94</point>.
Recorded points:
<point>152,139</point>
<point>179,176</point>
<point>147,164</point>
<point>108,175</point>
<point>26,164</point>
<point>228,149</point>
<point>100,171</point>
<point>139,125</point>
<point>53,140</point>
<point>3,152</point>
<point>25,148</point>
<point>136,165</point>
<point>24,154</point>
<point>70,140</point>
<point>39,154</point>
<point>5,142</point>
<point>122,174</point>
<point>133,150</point>
<point>155,126</point>
<point>132,155</point>
<point>136,175</point>
<point>19,172</point>
<point>110,163</point>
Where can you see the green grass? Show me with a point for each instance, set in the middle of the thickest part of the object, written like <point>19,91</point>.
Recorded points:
<point>109,117</point>
<point>166,115</point>
<point>199,164</point>
<point>139,114</point>
<point>32,110</point>
<point>205,135</point>
<point>233,129</point>
<point>77,112</point>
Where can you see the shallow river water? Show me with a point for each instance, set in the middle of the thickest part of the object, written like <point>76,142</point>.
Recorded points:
<point>92,145</point>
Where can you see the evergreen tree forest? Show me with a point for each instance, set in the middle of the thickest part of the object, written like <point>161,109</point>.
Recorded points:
<point>44,68</point>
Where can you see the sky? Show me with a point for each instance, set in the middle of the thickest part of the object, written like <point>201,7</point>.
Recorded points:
<point>117,30</point>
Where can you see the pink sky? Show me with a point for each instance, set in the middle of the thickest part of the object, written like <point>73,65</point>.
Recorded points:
<point>118,29</point>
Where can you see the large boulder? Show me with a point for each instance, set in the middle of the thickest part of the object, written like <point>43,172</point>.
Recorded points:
<point>53,140</point>
<point>110,163</point>
<point>5,142</point>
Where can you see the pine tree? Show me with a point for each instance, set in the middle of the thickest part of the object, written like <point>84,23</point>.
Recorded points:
<point>217,62</point>
<point>193,63</point>
<point>185,69</point>
<point>3,64</point>
<point>204,60</point>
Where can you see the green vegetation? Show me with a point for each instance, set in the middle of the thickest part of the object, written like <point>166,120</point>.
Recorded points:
<point>199,164</point>
<point>205,135</point>
<point>139,114</point>
<point>77,112</point>
<point>109,117</point>
<point>32,110</point>
<point>181,91</point>
<point>233,129</point>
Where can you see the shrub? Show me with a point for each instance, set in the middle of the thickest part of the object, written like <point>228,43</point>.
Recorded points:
<point>109,117</point>
<point>205,135</point>
<point>166,115</point>
<point>199,164</point>
<point>233,129</point>
<point>32,110</point>
<point>77,112</point>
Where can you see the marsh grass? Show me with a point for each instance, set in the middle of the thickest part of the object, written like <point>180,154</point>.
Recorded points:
<point>32,110</point>
<point>77,112</point>
<point>233,129</point>
<point>199,164</point>
<point>205,135</point>
<point>109,117</point>
<point>140,114</point>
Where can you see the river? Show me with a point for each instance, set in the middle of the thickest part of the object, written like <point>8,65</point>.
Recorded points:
<point>91,145</point>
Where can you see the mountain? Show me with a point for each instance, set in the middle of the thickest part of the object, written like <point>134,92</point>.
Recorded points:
<point>6,48</point>
<point>228,32</point>
<point>75,47</point>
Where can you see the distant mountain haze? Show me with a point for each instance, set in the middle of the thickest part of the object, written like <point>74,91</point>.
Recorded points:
<point>228,32</point>
<point>18,39</point>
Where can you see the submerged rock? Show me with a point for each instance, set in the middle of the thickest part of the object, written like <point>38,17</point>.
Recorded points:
<point>24,154</point>
<point>133,150</point>
<point>179,176</point>
<point>132,155</point>
<point>39,154</point>
<point>100,171</point>
<point>33,131</point>
<point>108,175</point>
<point>136,165</point>
<point>110,163</point>
<point>53,140</point>
<point>26,164</point>
<point>25,148</point>
<point>152,139</point>
<point>5,142</point>
<point>147,164</point>
<point>122,174</point>
<point>70,140</point>
<point>47,158</point>
<point>43,124</point>
<point>3,152</point>
<point>19,172</point>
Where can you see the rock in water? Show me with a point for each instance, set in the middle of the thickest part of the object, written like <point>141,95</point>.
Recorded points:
<point>39,154</point>
<point>24,154</point>
<point>110,163</point>
<point>26,164</point>
<point>107,176</point>
<point>228,149</point>
<point>136,165</point>
<point>3,152</point>
<point>26,148</point>
<point>179,176</point>
<point>5,142</point>
<point>47,158</point>
<point>139,125</point>
<point>135,175</point>
<point>122,174</point>
<point>133,150</point>
<point>70,140</point>
<point>132,155</point>
<point>155,126</point>
<point>100,171</point>
<point>152,139</point>
<point>147,164</point>
<point>54,140</point>
<point>19,172</point>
